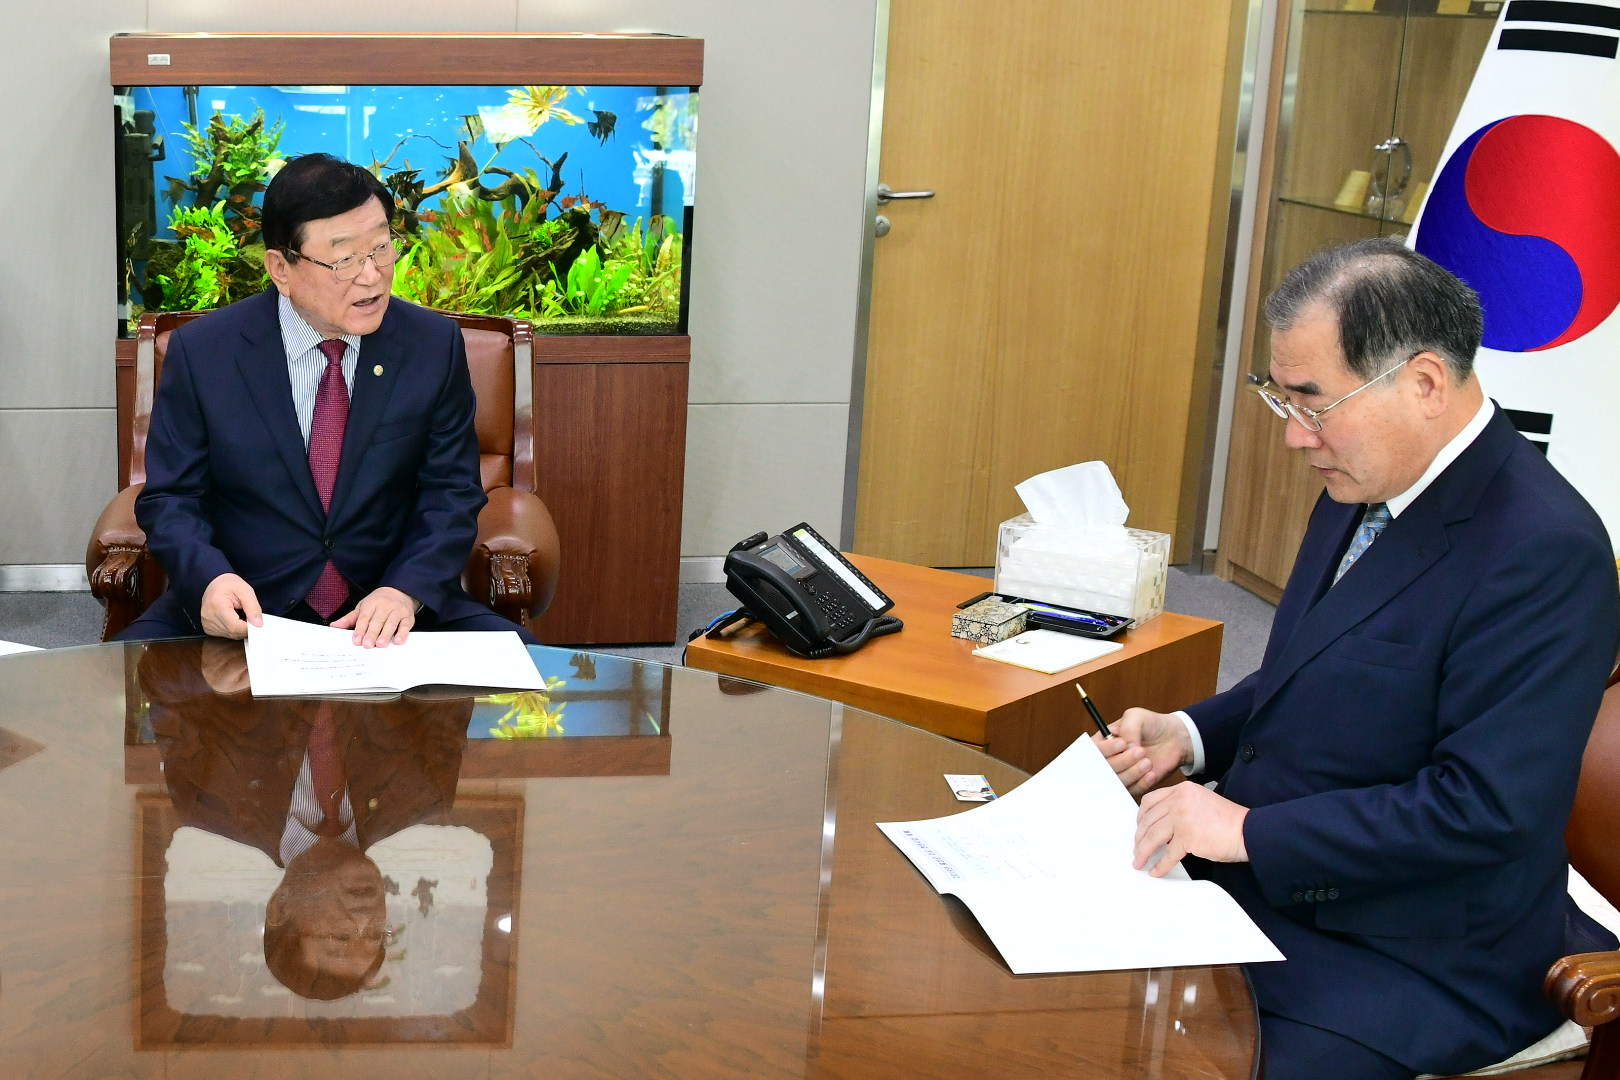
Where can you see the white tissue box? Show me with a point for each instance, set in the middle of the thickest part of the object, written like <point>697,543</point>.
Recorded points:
<point>1063,566</point>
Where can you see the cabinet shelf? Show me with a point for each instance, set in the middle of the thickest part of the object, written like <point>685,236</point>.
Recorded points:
<point>1331,206</point>
<point>1399,14</point>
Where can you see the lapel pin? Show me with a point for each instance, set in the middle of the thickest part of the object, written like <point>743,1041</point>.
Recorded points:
<point>377,370</point>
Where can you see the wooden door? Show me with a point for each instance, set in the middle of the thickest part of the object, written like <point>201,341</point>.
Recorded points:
<point>1056,301</point>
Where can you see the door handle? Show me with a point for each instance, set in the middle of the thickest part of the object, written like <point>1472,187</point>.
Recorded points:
<point>885,193</point>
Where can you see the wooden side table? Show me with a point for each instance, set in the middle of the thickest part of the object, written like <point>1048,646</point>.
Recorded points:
<point>925,677</point>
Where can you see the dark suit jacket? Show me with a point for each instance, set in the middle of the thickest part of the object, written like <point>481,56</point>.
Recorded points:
<point>228,487</point>
<point>1410,748</point>
<point>231,760</point>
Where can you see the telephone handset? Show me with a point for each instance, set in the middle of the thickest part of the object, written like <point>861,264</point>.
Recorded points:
<point>812,598</point>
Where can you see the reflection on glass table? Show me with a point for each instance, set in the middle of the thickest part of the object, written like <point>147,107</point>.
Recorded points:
<point>723,907</point>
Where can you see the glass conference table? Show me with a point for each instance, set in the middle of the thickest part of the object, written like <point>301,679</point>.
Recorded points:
<point>663,873</point>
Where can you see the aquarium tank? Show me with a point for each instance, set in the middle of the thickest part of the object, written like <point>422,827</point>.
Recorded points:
<point>567,205</point>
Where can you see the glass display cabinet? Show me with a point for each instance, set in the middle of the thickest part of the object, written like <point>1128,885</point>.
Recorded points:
<point>1363,98</point>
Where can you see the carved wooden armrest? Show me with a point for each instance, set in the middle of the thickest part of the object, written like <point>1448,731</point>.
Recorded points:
<point>1586,989</point>
<point>117,578</point>
<point>122,573</point>
<point>509,587</point>
<point>514,562</point>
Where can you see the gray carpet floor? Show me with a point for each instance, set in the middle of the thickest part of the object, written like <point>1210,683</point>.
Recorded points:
<point>57,620</point>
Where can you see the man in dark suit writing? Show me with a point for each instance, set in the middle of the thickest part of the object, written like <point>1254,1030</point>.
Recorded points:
<point>313,451</point>
<point>1395,780</point>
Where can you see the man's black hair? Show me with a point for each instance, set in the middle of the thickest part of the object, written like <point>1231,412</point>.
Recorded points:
<point>1389,302</point>
<point>311,187</point>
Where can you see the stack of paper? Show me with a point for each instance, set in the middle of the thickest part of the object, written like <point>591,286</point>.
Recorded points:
<point>1048,650</point>
<point>1046,869</point>
<point>286,657</point>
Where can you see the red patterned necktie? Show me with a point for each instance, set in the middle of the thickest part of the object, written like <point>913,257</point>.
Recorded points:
<point>326,770</point>
<point>325,448</point>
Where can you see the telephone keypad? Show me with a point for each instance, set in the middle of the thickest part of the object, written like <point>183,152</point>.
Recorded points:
<point>837,612</point>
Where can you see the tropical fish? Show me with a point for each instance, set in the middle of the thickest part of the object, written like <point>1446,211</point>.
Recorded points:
<point>602,126</point>
<point>582,200</point>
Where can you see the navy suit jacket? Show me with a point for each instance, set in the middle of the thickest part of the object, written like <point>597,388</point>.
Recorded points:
<point>1409,750</point>
<point>228,486</point>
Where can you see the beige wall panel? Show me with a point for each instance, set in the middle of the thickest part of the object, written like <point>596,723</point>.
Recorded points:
<point>57,256</point>
<point>752,467</point>
<point>178,16</point>
<point>781,185</point>
<point>52,501</point>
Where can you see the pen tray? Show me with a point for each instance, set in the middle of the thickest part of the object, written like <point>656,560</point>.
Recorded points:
<point>1044,616</point>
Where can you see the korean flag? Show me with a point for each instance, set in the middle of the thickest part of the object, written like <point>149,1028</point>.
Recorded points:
<point>1526,208</point>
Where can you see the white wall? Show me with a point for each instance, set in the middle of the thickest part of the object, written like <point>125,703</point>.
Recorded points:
<point>775,247</point>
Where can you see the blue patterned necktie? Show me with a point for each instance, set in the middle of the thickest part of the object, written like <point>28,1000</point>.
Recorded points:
<point>1372,523</point>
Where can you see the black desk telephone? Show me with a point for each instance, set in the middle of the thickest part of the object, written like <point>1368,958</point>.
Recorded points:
<point>806,593</point>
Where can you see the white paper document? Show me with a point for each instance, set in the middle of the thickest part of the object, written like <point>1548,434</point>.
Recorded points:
<point>1048,650</point>
<point>287,657</point>
<point>1046,869</point>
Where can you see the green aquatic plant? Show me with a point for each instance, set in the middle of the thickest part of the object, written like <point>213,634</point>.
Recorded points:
<point>234,156</point>
<point>656,254</point>
<point>471,258</point>
<point>240,149</point>
<point>207,268</point>
<point>506,257</point>
<point>591,288</point>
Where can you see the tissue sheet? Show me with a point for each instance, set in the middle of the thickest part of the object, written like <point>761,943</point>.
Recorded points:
<point>1082,496</point>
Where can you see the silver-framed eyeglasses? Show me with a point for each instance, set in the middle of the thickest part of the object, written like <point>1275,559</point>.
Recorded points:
<point>348,268</point>
<point>1311,419</point>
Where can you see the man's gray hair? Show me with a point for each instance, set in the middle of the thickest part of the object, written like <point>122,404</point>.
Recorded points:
<point>1389,302</point>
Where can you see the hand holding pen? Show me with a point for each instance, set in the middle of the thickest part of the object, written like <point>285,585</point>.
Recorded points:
<point>1144,748</point>
<point>1096,717</point>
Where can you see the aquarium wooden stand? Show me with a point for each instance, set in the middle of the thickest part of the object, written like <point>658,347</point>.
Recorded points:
<point>610,458</point>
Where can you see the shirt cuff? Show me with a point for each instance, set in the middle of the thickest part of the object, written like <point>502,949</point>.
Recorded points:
<point>1197,765</point>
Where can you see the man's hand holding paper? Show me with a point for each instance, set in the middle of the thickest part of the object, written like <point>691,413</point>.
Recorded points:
<point>289,657</point>
<point>1188,819</point>
<point>385,615</point>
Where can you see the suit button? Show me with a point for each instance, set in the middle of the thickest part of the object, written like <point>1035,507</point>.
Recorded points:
<point>1246,752</point>
<point>1299,898</point>
<point>1333,894</point>
<point>328,543</point>
<point>371,804</point>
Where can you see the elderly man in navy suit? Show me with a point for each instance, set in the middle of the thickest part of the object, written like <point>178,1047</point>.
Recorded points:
<point>1394,782</point>
<point>313,451</point>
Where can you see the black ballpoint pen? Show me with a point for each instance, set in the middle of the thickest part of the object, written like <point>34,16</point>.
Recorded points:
<point>1095,715</point>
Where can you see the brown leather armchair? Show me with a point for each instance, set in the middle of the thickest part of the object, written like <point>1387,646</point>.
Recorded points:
<point>1586,986</point>
<point>514,561</point>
